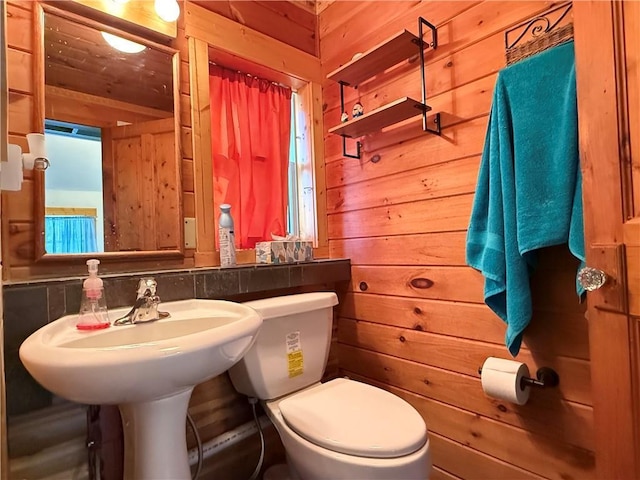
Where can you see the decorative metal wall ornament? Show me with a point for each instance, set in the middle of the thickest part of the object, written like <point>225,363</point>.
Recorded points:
<point>538,34</point>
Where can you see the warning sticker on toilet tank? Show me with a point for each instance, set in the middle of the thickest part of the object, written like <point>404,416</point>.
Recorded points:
<point>295,360</point>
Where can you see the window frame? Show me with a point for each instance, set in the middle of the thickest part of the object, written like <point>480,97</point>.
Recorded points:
<point>214,38</point>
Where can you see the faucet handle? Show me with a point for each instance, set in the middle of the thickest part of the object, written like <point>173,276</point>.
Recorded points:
<point>145,285</point>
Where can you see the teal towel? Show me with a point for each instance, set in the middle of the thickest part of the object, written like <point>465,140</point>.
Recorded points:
<point>529,193</point>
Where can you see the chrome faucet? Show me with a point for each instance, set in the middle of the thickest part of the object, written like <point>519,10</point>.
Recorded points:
<point>145,308</point>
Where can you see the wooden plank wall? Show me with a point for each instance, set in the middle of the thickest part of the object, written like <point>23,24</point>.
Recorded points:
<point>18,226</point>
<point>413,320</point>
<point>291,22</point>
<point>215,406</point>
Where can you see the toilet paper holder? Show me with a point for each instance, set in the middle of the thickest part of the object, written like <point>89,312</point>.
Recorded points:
<point>545,377</point>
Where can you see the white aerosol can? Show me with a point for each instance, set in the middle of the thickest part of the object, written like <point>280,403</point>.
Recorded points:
<point>226,236</point>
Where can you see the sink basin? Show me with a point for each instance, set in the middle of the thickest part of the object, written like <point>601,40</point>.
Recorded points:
<point>148,369</point>
<point>130,363</point>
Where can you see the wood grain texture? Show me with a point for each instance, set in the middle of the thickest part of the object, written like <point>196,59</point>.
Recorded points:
<point>413,319</point>
<point>633,278</point>
<point>19,25</point>
<point>245,47</point>
<point>201,137</point>
<point>20,75</point>
<point>145,191</point>
<point>435,215</point>
<point>436,181</point>
<point>284,21</point>
<point>377,59</point>
<point>363,31</point>
<point>460,355</point>
<point>229,36</point>
<point>632,66</point>
<point>75,107</point>
<point>443,73</point>
<point>439,474</point>
<point>445,248</point>
<point>76,55</point>
<point>141,14</point>
<point>464,391</point>
<point>496,439</point>
<point>27,109</point>
<point>473,465</point>
<point>600,76</point>
<point>400,149</point>
<point>465,102</point>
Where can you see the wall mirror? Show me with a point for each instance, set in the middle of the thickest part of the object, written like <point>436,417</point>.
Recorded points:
<point>111,124</point>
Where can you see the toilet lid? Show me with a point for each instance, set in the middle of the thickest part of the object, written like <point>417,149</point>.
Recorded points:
<point>355,418</point>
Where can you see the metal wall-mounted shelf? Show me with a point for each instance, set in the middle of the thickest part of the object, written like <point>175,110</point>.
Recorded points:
<point>399,47</point>
<point>392,51</point>
<point>393,112</point>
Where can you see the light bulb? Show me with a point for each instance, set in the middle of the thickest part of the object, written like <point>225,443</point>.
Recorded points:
<point>167,10</point>
<point>122,44</point>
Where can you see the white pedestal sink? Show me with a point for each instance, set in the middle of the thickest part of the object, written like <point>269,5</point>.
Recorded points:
<point>148,369</point>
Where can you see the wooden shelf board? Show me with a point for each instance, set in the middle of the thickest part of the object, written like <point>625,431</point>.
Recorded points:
<point>394,112</point>
<point>401,46</point>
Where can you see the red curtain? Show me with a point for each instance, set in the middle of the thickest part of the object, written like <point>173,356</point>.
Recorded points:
<point>250,129</point>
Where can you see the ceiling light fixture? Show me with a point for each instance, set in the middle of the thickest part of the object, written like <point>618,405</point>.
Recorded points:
<point>122,44</point>
<point>167,10</point>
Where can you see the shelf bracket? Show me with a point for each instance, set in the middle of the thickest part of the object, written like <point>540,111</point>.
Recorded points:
<point>344,139</point>
<point>344,149</point>
<point>433,44</point>
<point>436,120</point>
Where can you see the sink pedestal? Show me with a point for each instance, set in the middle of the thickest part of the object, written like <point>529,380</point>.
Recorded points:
<point>155,443</point>
<point>148,370</point>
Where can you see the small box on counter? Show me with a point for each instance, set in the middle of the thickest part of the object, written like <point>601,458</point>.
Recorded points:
<point>284,251</point>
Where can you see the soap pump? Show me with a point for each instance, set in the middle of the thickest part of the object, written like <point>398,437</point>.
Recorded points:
<point>93,306</point>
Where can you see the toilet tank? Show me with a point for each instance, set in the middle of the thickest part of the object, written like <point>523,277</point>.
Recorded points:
<point>291,348</point>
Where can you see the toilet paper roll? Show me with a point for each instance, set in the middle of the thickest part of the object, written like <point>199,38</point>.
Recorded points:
<point>501,379</point>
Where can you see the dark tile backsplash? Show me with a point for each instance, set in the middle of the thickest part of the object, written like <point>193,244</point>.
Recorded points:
<point>25,311</point>
<point>216,284</point>
<point>29,306</point>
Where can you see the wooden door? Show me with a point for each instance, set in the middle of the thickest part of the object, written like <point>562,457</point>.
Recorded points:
<point>607,42</point>
<point>142,208</point>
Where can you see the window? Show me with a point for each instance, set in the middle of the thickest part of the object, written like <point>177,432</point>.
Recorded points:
<point>280,63</point>
<point>302,198</point>
<point>261,161</point>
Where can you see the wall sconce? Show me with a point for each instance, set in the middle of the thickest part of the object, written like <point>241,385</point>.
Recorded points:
<point>11,171</point>
<point>167,10</point>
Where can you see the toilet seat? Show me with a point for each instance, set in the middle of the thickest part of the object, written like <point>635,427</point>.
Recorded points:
<point>354,418</point>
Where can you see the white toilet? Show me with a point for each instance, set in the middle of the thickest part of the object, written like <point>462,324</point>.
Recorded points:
<point>341,429</point>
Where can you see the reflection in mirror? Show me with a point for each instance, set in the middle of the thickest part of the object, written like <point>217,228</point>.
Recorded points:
<point>110,125</point>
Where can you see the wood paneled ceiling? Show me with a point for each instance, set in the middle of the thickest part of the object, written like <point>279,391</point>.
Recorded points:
<point>78,58</point>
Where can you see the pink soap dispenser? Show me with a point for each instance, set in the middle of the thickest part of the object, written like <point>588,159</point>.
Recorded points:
<point>93,306</point>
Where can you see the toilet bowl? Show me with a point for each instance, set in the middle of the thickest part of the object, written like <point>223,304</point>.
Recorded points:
<point>344,429</point>
<point>341,429</point>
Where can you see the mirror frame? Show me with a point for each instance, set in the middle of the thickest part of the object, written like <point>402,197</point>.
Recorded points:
<point>39,117</point>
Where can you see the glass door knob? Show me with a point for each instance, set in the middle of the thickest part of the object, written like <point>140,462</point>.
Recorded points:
<point>591,278</point>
